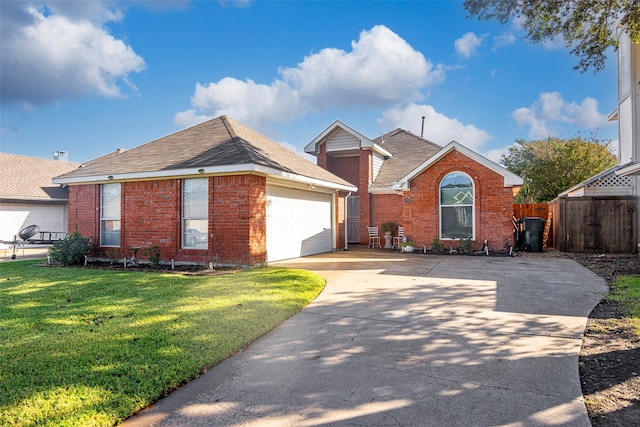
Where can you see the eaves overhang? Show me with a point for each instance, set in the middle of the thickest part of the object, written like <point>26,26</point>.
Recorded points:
<point>245,168</point>
<point>366,143</point>
<point>632,169</point>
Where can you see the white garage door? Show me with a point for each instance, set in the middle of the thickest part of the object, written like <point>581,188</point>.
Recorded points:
<point>298,223</point>
<point>14,218</point>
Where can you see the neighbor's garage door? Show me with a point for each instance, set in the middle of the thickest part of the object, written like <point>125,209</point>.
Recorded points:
<point>14,217</point>
<point>298,223</point>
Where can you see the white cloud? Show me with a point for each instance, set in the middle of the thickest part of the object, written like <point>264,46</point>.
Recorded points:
<point>495,155</point>
<point>437,128</point>
<point>545,115</point>
<point>467,45</point>
<point>380,70</point>
<point>61,51</point>
<point>505,39</point>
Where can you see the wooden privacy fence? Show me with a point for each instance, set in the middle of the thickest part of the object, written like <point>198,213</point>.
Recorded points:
<point>524,210</point>
<point>594,224</point>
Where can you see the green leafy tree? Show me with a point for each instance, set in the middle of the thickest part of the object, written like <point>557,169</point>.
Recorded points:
<point>552,166</point>
<point>588,27</point>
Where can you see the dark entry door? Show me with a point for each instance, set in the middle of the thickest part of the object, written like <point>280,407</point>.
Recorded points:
<point>353,219</point>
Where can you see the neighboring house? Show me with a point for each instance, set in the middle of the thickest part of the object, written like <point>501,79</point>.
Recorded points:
<point>215,192</point>
<point>444,193</point>
<point>28,196</point>
<point>628,115</point>
<point>609,202</point>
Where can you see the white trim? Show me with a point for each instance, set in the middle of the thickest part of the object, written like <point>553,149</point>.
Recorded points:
<point>206,171</point>
<point>312,147</point>
<point>633,169</point>
<point>473,207</point>
<point>510,179</point>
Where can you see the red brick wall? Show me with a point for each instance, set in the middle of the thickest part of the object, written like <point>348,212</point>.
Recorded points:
<point>493,203</point>
<point>239,219</point>
<point>151,215</point>
<point>345,167</point>
<point>83,214</point>
<point>365,168</point>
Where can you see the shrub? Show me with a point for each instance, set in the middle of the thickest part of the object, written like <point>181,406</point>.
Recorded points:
<point>436,246</point>
<point>465,245</point>
<point>388,226</point>
<point>71,250</point>
<point>153,254</point>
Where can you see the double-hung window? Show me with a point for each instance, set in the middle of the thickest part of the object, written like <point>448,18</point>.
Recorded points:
<point>195,213</point>
<point>110,215</point>
<point>457,206</point>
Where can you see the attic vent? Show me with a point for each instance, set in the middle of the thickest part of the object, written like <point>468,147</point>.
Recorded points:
<point>612,180</point>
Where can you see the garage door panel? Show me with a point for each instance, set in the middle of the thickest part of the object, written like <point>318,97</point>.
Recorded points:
<point>298,223</point>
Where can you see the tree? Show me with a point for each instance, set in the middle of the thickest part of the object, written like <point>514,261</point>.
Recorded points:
<point>588,27</point>
<point>552,166</point>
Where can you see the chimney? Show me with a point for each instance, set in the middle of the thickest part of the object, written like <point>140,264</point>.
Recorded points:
<point>422,130</point>
<point>62,156</point>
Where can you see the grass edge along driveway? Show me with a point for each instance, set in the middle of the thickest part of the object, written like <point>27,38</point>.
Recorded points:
<point>92,347</point>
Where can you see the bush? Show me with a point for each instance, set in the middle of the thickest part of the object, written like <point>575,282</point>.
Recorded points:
<point>71,250</point>
<point>153,254</point>
<point>437,247</point>
<point>465,245</point>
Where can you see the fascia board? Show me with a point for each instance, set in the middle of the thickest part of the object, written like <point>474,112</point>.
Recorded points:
<point>312,147</point>
<point>204,171</point>
<point>633,169</point>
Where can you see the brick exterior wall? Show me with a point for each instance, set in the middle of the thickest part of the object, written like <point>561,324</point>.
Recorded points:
<point>418,209</point>
<point>83,210</point>
<point>493,203</point>
<point>151,215</point>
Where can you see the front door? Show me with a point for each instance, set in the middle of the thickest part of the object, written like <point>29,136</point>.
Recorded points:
<point>353,219</point>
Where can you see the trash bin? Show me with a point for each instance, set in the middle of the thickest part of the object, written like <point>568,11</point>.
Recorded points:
<point>532,229</point>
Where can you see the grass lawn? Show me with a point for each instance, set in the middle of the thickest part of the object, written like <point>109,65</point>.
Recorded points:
<point>92,347</point>
<point>626,291</point>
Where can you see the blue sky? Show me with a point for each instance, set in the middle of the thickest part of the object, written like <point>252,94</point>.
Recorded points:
<point>91,77</point>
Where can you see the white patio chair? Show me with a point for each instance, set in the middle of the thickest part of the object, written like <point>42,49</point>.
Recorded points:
<point>374,238</point>
<point>397,240</point>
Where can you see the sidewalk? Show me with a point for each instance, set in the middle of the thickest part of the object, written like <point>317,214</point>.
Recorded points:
<point>23,252</point>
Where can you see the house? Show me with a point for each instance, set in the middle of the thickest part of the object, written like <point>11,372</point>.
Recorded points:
<point>602,213</point>
<point>215,192</point>
<point>627,114</point>
<point>443,193</point>
<point>28,196</point>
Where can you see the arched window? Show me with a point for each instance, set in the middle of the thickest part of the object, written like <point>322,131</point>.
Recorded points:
<point>457,206</point>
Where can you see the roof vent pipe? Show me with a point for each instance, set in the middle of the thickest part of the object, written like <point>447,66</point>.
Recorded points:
<point>422,130</point>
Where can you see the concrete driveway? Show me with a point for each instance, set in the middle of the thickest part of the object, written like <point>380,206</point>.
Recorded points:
<point>409,340</point>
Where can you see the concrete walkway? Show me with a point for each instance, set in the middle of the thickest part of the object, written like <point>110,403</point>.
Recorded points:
<point>409,340</point>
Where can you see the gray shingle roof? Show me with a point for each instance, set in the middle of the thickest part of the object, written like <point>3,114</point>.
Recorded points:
<point>29,178</point>
<point>218,142</point>
<point>409,151</point>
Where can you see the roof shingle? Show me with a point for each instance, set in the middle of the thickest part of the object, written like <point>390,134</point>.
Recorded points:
<point>409,151</point>
<point>24,177</point>
<point>217,142</point>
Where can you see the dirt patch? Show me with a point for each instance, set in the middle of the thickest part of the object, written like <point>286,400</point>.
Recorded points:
<point>609,360</point>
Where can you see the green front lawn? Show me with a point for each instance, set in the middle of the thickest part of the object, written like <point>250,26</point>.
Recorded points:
<point>626,291</point>
<point>91,347</point>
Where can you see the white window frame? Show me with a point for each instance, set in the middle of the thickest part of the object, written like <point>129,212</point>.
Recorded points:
<point>110,211</point>
<point>472,205</point>
<point>189,215</point>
